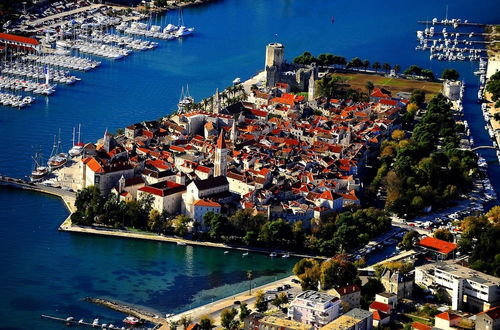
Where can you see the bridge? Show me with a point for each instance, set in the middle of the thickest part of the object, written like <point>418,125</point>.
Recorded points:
<point>483,147</point>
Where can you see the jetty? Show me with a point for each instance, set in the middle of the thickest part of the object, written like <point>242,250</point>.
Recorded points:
<point>449,22</point>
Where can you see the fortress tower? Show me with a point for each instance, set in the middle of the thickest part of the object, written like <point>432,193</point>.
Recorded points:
<point>275,54</point>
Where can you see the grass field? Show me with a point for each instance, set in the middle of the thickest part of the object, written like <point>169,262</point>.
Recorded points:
<point>395,85</point>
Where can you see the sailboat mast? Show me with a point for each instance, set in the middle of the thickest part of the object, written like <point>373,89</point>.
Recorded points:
<point>73,141</point>
<point>79,133</point>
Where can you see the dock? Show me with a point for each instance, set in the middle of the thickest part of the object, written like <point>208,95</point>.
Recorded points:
<point>69,321</point>
<point>33,186</point>
<point>451,23</point>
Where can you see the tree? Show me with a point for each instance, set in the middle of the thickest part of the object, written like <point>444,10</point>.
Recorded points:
<point>386,67</point>
<point>443,234</point>
<point>398,135</point>
<point>428,74</point>
<point>305,58</point>
<point>413,70</point>
<point>280,299</point>
<point>409,240</point>
<point>260,301</point>
<point>417,97</point>
<point>185,321</point>
<point>370,289</point>
<point>369,87</point>
<point>338,271</point>
<point>450,74</point>
<point>366,64</point>
<point>376,66</point>
<point>227,317</point>
<point>303,264</point>
<point>396,68</point>
<point>206,323</point>
<point>355,63</point>
<point>493,86</point>
<point>244,311</point>
<point>217,224</point>
<point>153,220</point>
<point>181,224</point>
<point>493,215</point>
<point>328,85</point>
<point>249,278</point>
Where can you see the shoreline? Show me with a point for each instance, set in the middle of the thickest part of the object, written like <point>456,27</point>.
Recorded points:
<point>66,226</point>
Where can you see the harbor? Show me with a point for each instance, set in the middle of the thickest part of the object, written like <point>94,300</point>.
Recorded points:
<point>149,85</point>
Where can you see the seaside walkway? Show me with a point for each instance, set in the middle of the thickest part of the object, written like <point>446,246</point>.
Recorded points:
<point>23,184</point>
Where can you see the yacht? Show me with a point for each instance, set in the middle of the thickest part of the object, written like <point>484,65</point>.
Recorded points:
<point>273,254</point>
<point>77,148</point>
<point>131,320</point>
<point>286,255</point>
<point>244,254</point>
<point>39,172</point>
<point>236,81</point>
<point>57,159</point>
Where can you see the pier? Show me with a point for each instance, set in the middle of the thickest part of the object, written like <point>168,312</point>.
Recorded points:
<point>33,186</point>
<point>448,22</point>
<point>69,321</point>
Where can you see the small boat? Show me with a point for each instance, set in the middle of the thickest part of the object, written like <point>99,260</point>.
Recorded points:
<point>286,255</point>
<point>96,322</point>
<point>273,254</point>
<point>131,320</point>
<point>226,252</point>
<point>39,171</point>
<point>237,81</point>
<point>181,243</point>
<point>81,321</point>
<point>244,254</point>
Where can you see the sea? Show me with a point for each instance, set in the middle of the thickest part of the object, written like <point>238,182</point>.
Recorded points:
<point>49,272</point>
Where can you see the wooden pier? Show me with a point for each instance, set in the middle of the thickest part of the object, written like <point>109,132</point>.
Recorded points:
<point>71,321</point>
<point>451,23</point>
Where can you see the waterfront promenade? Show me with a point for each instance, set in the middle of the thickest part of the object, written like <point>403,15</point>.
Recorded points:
<point>213,310</point>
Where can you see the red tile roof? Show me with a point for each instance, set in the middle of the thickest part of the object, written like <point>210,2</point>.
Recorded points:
<point>164,188</point>
<point>447,316</point>
<point>377,315</point>
<point>437,245</point>
<point>206,202</point>
<point>494,312</point>
<point>379,306</point>
<point>221,143</point>
<point>420,326</point>
<point>20,39</point>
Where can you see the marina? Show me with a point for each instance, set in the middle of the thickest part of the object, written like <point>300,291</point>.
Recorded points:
<point>155,79</point>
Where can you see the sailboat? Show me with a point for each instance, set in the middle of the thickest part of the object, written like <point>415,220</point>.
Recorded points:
<point>183,31</point>
<point>39,171</point>
<point>185,100</point>
<point>77,148</point>
<point>57,159</point>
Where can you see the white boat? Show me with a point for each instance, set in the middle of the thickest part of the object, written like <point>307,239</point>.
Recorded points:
<point>286,255</point>
<point>273,254</point>
<point>244,254</point>
<point>181,243</point>
<point>236,81</point>
<point>226,252</point>
<point>77,148</point>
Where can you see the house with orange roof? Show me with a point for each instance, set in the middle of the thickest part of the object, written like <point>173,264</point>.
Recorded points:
<point>167,196</point>
<point>202,207</point>
<point>489,319</point>
<point>420,326</point>
<point>443,248</point>
<point>447,321</point>
<point>104,174</point>
<point>381,313</point>
<point>349,295</point>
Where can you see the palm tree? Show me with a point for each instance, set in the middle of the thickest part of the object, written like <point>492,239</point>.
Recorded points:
<point>397,68</point>
<point>369,86</point>
<point>376,66</point>
<point>249,278</point>
<point>366,64</point>
<point>386,67</point>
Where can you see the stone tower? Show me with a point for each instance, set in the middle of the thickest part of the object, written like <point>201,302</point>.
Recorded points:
<point>311,95</point>
<point>275,54</point>
<point>217,105</point>
<point>220,163</point>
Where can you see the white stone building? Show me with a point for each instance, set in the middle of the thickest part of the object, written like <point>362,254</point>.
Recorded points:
<point>314,308</point>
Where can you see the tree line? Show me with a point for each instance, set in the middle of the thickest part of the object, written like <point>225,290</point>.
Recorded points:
<point>428,168</point>
<point>335,233</point>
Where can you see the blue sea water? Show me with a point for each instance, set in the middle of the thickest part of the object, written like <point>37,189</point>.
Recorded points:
<point>45,271</point>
